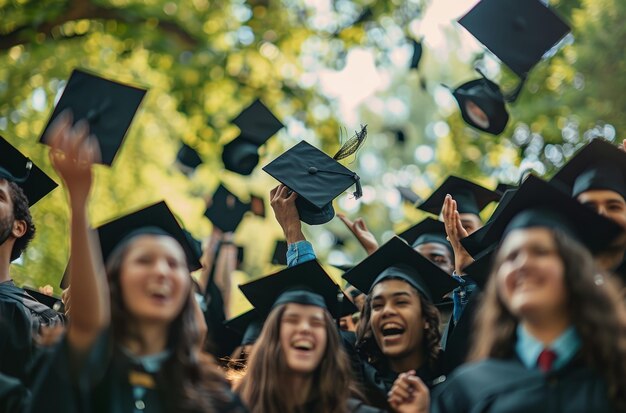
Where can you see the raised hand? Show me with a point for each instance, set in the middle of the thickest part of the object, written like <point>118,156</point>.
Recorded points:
<point>455,233</point>
<point>284,205</point>
<point>409,394</point>
<point>73,152</point>
<point>360,231</point>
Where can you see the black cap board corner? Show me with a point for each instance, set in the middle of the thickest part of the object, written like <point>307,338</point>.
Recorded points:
<point>16,167</point>
<point>414,268</point>
<point>108,106</point>
<point>315,177</point>
<point>470,197</point>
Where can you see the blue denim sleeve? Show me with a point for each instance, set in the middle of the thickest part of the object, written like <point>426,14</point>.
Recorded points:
<point>461,295</point>
<point>299,252</point>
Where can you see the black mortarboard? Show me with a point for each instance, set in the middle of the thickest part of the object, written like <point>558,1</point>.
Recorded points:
<point>480,269</point>
<point>426,231</point>
<point>343,267</point>
<point>248,325</point>
<point>225,210</point>
<point>408,195</point>
<point>470,198</point>
<point>155,219</point>
<point>396,259</point>
<point>188,159</point>
<point>257,124</point>
<point>482,105</point>
<point>538,204</point>
<point>502,188</point>
<point>306,283</point>
<point>417,54</point>
<point>518,32</point>
<point>280,253</point>
<point>599,165</point>
<point>51,301</point>
<point>108,106</point>
<point>15,167</point>
<point>316,177</point>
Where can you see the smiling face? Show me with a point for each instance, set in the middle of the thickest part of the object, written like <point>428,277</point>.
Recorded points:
<point>396,319</point>
<point>303,337</point>
<point>438,254</point>
<point>154,279</point>
<point>531,276</point>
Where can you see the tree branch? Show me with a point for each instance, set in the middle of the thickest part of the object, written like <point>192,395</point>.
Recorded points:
<point>84,9</point>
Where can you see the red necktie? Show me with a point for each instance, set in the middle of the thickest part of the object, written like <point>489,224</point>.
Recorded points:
<point>545,360</point>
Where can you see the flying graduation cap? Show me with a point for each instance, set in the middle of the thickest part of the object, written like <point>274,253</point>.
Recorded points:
<point>316,177</point>
<point>225,210</point>
<point>108,107</point>
<point>17,168</point>
<point>257,124</point>
<point>187,159</point>
<point>470,197</point>
<point>305,283</point>
<point>397,260</point>
<point>417,54</point>
<point>597,166</point>
<point>408,195</point>
<point>517,32</point>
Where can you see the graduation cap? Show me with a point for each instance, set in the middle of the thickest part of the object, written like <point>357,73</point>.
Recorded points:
<point>247,325</point>
<point>225,210</point>
<point>108,107</point>
<point>480,269</point>
<point>482,105</point>
<point>599,165</point>
<point>518,32</point>
<point>316,178</point>
<point>280,253</point>
<point>426,231</point>
<point>397,260</point>
<point>502,188</point>
<point>417,54</point>
<point>17,168</point>
<point>470,198</point>
<point>343,267</point>
<point>306,283</point>
<point>50,301</point>
<point>539,204</point>
<point>156,219</point>
<point>408,195</point>
<point>257,124</point>
<point>187,159</point>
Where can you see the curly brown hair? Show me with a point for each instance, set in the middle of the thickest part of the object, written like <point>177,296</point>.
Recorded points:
<point>368,348</point>
<point>595,307</point>
<point>21,212</point>
<point>263,387</point>
<point>193,381</point>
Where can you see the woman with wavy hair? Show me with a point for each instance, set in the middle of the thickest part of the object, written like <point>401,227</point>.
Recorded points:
<point>134,347</point>
<point>298,364</point>
<point>551,332</point>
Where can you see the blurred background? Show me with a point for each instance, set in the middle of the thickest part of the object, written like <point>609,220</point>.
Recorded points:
<point>324,67</point>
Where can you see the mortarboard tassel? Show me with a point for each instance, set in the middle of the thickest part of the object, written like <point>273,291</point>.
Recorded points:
<point>352,145</point>
<point>18,180</point>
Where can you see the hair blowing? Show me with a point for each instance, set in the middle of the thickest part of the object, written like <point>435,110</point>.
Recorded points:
<point>595,308</point>
<point>193,381</point>
<point>265,387</point>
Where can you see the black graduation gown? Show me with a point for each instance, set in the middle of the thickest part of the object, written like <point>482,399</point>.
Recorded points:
<point>102,384</point>
<point>494,386</point>
<point>20,319</point>
<point>457,339</point>
<point>13,395</point>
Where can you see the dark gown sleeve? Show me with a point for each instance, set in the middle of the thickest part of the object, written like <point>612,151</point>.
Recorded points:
<point>458,337</point>
<point>16,340</point>
<point>13,395</point>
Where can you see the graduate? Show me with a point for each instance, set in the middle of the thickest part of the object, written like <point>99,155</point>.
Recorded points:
<point>551,331</point>
<point>297,363</point>
<point>134,346</point>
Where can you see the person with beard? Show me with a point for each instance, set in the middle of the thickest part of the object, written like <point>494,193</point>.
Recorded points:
<point>22,317</point>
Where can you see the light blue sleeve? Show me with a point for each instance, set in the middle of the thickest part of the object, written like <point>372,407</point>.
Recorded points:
<point>299,252</point>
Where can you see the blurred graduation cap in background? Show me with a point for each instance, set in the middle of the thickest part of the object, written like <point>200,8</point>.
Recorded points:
<point>305,283</point>
<point>187,159</point>
<point>248,326</point>
<point>257,124</point>
<point>16,167</point>
<point>519,33</point>
<point>470,197</point>
<point>408,195</point>
<point>427,231</point>
<point>316,178</point>
<point>397,260</point>
<point>225,210</point>
<point>109,107</point>
<point>597,166</point>
<point>279,257</point>
<point>416,57</point>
